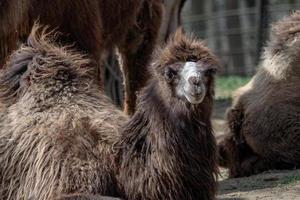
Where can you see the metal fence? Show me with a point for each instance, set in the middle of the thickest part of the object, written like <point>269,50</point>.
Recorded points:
<point>236,30</point>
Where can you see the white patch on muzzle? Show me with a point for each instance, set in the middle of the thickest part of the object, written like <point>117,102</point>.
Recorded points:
<point>190,69</point>
<point>193,93</point>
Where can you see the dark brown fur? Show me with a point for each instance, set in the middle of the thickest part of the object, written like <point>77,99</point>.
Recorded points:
<point>169,146</point>
<point>95,26</point>
<point>264,119</point>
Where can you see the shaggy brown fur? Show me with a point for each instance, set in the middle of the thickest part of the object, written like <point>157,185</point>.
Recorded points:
<point>60,139</point>
<point>95,26</point>
<point>169,148</point>
<point>57,131</point>
<point>265,116</point>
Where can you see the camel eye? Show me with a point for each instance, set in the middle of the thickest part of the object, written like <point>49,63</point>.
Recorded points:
<point>170,74</point>
<point>210,71</point>
<point>192,59</point>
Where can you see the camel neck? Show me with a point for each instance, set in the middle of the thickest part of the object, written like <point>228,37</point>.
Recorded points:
<point>157,106</point>
<point>167,148</point>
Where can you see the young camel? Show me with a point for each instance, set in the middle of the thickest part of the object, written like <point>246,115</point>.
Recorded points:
<point>169,150</point>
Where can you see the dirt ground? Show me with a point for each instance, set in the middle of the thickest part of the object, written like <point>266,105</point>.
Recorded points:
<point>271,185</point>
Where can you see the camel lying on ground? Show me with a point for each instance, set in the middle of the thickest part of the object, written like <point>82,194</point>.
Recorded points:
<point>264,119</point>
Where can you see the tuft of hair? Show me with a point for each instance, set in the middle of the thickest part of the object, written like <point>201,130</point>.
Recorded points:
<point>39,59</point>
<point>185,47</point>
<point>285,38</point>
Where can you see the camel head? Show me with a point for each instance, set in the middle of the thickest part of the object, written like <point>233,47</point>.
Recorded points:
<point>187,67</point>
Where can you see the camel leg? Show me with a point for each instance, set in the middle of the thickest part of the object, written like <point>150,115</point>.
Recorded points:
<point>232,145</point>
<point>236,155</point>
<point>135,52</point>
<point>241,160</point>
<point>254,165</point>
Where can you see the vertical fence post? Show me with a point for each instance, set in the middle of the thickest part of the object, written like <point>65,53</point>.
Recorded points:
<point>221,21</point>
<point>263,20</point>
<point>210,25</point>
<point>246,39</point>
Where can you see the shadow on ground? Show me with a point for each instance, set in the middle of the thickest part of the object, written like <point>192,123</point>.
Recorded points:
<point>275,184</point>
<point>268,179</point>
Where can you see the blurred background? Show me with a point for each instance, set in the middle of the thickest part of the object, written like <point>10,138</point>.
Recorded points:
<point>235,30</point>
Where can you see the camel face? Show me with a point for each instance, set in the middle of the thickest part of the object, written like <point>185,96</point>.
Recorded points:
<point>189,80</point>
<point>191,84</point>
<point>188,67</point>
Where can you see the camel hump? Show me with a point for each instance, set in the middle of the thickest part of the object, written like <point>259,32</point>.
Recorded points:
<point>37,61</point>
<point>285,37</point>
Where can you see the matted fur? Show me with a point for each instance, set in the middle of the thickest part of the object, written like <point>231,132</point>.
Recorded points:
<point>169,148</point>
<point>94,27</point>
<point>60,137</point>
<point>265,116</point>
<point>57,129</point>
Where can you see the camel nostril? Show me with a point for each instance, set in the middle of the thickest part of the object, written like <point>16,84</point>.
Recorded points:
<point>194,80</point>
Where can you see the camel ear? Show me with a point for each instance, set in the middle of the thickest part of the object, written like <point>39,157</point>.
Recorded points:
<point>179,34</point>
